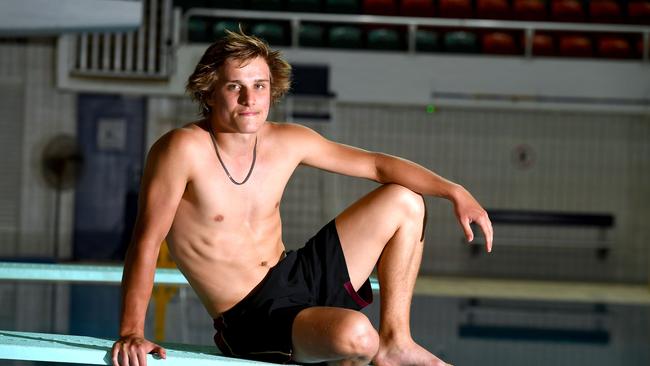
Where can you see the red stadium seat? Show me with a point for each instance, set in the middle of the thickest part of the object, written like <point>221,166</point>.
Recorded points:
<point>605,11</point>
<point>492,9</point>
<point>417,8</point>
<point>638,12</point>
<point>529,10</point>
<point>543,44</point>
<point>567,11</point>
<point>499,43</point>
<point>614,46</point>
<point>576,45</point>
<point>379,7</point>
<point>455,8</point>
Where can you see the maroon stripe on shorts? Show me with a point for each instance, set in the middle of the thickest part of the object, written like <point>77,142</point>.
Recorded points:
<point>355,295</point>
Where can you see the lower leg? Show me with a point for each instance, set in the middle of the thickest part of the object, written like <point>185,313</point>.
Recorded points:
<point>386,227</point>
<point>397,271</point>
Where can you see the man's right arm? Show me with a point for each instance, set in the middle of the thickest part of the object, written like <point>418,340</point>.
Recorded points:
<point>163,184</point>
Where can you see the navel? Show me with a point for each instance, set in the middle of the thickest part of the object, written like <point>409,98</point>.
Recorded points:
<point>218,218</point>
<point>277,204</point>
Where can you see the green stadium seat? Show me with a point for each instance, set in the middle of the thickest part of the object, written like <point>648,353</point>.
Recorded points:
<point>311,35</point>
<point>275,5</point>
<point>220,27</point>
<point>342,6</point>
<point>272,33</point>
<point>384,39</point>
<point>427,41</point>
<point>304,5</point>
<point>197,30</point>
<point>345,36</point>
<point>461,42</point>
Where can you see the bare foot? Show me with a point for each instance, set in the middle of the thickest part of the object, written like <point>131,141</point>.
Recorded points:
<point>406,354</point>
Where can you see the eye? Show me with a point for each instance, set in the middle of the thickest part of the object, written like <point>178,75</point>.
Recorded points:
<point>233,87</point>
<point>260,86</point>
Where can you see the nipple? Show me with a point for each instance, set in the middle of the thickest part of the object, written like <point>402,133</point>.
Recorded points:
<point>264,263</point>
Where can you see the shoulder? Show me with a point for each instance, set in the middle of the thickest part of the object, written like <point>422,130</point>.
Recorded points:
<point>292,131</point>
<point>180,142</point>
<point>299,141</point>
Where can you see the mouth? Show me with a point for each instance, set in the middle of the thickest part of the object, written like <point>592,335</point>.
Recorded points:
<point>247,114</point>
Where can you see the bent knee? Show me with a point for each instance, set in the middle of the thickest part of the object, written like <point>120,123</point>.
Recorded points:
<point>411,202</point>
<point>357,338</point>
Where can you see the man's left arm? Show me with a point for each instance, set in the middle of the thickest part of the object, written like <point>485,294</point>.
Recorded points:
<point>383,168</point>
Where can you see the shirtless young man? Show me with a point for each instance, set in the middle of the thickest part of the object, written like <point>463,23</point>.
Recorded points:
<point>214,188</point>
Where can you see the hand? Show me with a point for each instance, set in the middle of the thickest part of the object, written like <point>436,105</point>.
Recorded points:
<point>468,210</point>
<point>133,350</point>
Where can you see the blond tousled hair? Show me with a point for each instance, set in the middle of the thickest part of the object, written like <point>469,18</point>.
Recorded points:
<point>240,47</point>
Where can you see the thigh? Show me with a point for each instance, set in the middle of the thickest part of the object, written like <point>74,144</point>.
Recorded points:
<point>366,226</point>
<point>324,333</point>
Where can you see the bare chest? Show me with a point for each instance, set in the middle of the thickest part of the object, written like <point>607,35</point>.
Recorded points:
<point>214,197</point>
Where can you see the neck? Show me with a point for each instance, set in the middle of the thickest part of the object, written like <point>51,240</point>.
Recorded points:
<point>232,143</point>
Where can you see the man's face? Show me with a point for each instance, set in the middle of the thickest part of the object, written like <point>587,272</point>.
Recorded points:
<point>242,97</point>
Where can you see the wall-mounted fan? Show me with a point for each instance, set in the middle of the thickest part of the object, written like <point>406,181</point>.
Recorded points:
<point>61,165</point>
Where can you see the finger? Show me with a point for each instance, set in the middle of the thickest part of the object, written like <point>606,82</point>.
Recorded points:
<point>468,230</point>
<point>160,351</point>
<point>134,355</point>
<point>124,358</point>
<point>142,357</point>
<point>487,232</point>
<point>491,235</point>
<point>114,352</point>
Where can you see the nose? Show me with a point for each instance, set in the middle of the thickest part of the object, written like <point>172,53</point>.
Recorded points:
<point>246,97</point>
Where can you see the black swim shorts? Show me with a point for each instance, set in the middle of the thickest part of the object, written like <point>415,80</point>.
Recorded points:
<point>259,326</point>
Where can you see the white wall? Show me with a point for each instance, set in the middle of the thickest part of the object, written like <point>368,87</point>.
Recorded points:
<point>36,111</point>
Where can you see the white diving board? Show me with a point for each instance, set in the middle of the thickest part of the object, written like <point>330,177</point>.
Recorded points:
<point>27,346</point>
<point>445,286</point>
<point>89,273</point>
<point>79,273</point>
